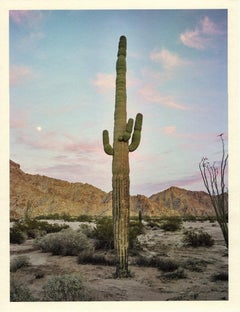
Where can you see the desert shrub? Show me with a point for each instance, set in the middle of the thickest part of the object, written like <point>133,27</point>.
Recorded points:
<point>134,231</point>
<point>19,292</point>
<point>84,218</point>
<point>221,276</point>
<point>153,224</point>
<point>195,265</point>
<point>103,233</point>
<point>33,228</point>
<point>17,236</point>
<point>190,218</point>
<point>173,223</point>
<point>64,288</point>
<point>197,239</point>
<point>90,257</point>
<point>68,242</point>
<point>177,274</point>
<point>167,265</point>
<point>19,262</point>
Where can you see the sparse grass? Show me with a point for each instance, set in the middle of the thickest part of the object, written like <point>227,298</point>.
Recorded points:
<point>19,262</point>
<point>68,242</point>
<point>65,288</point>
<point>197,239</point>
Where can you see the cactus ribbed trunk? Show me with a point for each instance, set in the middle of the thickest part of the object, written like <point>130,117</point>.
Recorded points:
<point>120,168</point>
<point>120,163</point>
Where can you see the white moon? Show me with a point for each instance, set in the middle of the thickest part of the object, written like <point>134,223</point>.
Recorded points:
<point>39,128</point>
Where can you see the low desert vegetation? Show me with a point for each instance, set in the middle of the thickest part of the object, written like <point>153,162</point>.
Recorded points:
<point>20,292</point>
<point>197,239</point>
<point>32,228</point>
<point>68,242</point>
<point>90,257</point>
<point>65,288</point>
<point>19,262</point>
<point>172,224</point>
<point>220,276</point>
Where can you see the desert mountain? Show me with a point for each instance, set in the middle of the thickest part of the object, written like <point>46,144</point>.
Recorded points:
<point>43,196</point>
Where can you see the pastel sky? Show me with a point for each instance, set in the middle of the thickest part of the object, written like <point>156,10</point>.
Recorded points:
<point>62,89</point>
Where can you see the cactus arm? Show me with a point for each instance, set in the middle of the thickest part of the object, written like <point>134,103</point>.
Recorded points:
<point>136,134</point>
<point>128,132</point>
<point>107,147</point>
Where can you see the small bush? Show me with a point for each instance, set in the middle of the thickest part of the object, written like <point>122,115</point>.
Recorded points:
<point>222,276</point>
<point>177,274</point>
<point>64,288</point>
<point>195,265</point>
<point>172,224</point>
<point>84,218</point>
<point>91,258</point>
<point>68,242</point>
<point>167,265</point>
<point>197,239</point>
<point>19,292</point>
<point>103,233</point>
<point>17,236</point>
<point>19,262</point>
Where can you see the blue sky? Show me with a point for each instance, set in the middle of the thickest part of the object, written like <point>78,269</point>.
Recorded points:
<point>62,88</point>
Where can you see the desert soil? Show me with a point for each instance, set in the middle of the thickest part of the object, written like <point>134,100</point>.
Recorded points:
<point>199,265</point>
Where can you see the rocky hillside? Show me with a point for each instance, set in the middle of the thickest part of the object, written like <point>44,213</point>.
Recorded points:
<point>43,195</point>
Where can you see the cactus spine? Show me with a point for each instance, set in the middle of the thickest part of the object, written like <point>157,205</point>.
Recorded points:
<point>120,162</point>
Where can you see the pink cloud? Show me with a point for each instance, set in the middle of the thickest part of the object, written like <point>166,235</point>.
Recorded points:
<point>20,74</point>
<point>209,27</point>
<point>154,96</point>
<point>167,59</point>
<point>202,36</point>
<point>104,82</point>
<point>53,141</point>
<point>26,17</point>
<point>172,131</point>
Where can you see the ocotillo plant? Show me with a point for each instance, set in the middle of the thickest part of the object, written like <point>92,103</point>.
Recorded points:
<point>120,162</point>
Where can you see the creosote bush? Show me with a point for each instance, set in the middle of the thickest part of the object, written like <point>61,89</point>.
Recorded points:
<point>68,242</point>
<point>65,288</point>
<point>18,263</point>
<point>197,239</point>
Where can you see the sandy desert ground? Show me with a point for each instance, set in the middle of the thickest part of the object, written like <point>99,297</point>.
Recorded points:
<point>197,265</point>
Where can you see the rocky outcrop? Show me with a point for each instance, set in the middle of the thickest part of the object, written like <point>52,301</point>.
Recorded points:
<point>41,195</point>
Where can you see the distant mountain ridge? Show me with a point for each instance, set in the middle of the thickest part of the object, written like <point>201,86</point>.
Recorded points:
<point>44,195</point>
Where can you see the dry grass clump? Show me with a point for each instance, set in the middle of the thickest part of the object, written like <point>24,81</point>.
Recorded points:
<point>89,257</point>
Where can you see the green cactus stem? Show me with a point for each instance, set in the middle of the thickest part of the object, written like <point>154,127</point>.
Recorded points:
<point>120,162</point>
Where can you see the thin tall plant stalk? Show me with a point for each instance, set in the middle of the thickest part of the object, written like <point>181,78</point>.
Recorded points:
<point>214,181</point>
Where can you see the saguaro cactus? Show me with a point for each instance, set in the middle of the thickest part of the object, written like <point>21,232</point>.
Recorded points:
<point>120,162</point>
